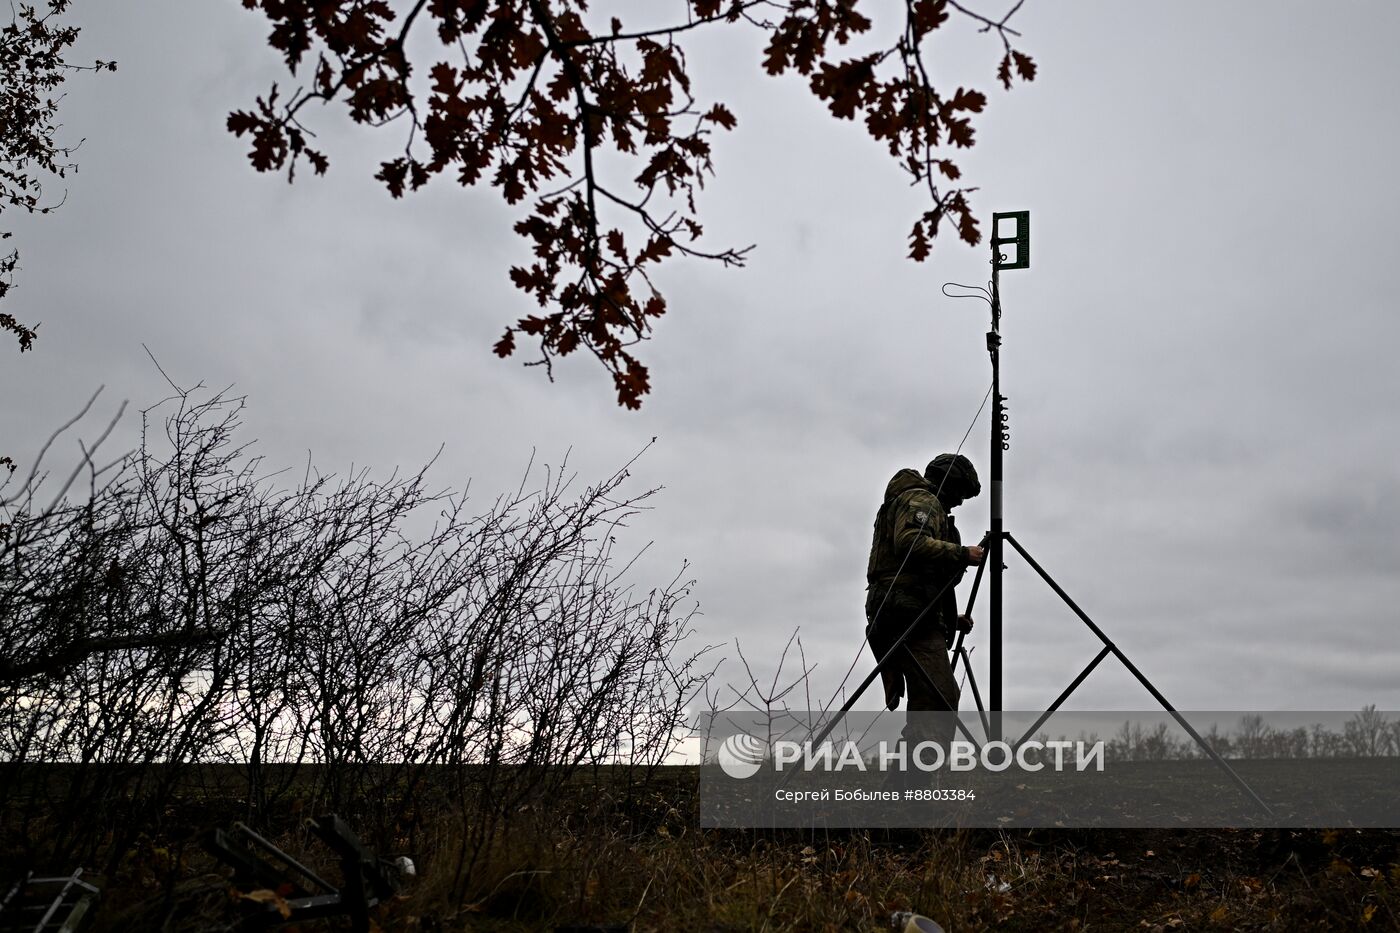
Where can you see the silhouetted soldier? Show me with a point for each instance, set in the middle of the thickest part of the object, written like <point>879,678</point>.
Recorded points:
<point>916,558</point>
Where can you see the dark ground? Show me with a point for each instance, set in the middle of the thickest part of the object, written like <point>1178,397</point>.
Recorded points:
<point>632,857</point>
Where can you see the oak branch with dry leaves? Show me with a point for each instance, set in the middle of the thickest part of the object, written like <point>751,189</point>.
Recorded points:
<point>34,62</point>
<point>532,96</point>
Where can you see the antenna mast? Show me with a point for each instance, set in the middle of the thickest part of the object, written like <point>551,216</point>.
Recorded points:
<point>1001,436</point>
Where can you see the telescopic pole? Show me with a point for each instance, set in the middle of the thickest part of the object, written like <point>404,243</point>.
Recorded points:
<point>993,554</point>
<point>1021,240</point>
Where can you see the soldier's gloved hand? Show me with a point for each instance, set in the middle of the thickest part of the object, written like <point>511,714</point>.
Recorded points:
<point>964,624</point>
<point>975,554</point>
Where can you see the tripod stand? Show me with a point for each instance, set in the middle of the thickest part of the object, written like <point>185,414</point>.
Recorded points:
<point>1001,441</point>
<point>993,543</point>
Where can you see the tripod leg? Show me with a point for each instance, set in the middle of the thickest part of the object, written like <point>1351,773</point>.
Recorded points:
<point>928,682</point>
<point>972,596</point>
<point>976,694</point>
<point>977,577</point>
<point>879,666</point>
<point>1063,696</point>
<point>1142,678</point>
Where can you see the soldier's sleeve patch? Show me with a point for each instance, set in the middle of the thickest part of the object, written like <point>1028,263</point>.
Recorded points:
<point>922,516</point>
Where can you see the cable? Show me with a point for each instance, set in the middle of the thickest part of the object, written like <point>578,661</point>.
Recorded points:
<point>985,296</point>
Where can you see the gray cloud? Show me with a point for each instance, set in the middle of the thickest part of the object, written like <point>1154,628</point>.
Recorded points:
<point>1203,405</point>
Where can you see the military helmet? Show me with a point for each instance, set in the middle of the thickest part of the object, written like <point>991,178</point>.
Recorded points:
<point>954,474</point>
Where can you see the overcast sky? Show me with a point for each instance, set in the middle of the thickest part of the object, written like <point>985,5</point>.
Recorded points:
<point>1200,368</point>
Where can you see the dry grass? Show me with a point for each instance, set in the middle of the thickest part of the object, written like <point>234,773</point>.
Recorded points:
<point>614,857</point>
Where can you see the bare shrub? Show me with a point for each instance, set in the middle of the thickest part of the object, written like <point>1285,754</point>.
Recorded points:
<point>349,642</point>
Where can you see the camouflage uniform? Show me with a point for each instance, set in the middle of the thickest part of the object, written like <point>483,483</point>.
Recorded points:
<point>915,554</point>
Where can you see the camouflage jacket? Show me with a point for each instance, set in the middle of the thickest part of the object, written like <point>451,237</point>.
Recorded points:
<point>913,522</point>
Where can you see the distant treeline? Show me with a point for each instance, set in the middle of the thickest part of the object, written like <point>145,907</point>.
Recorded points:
<point>1367,734</point>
